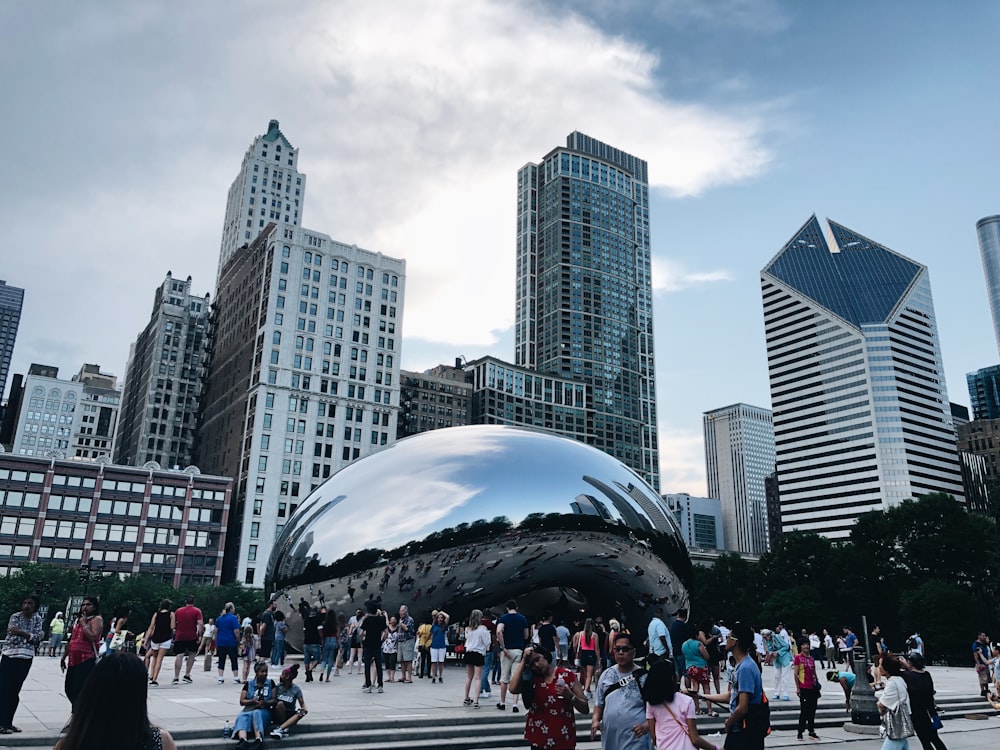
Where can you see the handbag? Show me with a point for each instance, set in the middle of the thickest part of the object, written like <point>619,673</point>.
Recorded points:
<point>936,722</point>
<point>897,724</point>
<point>118,640</point>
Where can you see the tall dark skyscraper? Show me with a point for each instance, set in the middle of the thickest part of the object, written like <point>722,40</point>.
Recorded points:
<point>584,290</point>
<point>861,414</point>
<point>11,300</point>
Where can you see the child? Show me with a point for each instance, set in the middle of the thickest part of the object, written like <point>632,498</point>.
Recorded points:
<point>248,650</point>
<point>670,713</point>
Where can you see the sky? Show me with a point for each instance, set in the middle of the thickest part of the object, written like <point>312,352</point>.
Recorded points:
<point>126,123</point>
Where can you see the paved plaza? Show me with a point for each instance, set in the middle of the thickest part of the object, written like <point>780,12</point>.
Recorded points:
<point>206,704</point>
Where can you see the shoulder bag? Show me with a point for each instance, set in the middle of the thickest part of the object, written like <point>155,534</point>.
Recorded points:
<point>897,724</point>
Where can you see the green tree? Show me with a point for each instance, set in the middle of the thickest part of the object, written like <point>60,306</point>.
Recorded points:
<point>946,617</point>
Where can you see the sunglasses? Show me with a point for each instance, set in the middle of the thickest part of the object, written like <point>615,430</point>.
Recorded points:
<point>623,649</point>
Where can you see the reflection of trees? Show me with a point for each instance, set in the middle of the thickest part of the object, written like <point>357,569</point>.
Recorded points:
<point>667,546</point>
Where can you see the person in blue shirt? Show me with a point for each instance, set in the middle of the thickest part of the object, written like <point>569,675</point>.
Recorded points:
<point>227,635</point>
<point>745,726</point>
<point>846,680</point>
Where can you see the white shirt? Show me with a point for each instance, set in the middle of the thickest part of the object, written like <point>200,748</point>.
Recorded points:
<point>478,640</point>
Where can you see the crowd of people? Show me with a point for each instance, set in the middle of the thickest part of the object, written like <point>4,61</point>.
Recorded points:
<point>643,689</point>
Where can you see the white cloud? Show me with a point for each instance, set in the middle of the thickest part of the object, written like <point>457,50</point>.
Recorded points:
<point>682,461</point>
<point>412,120</point>
<point>673,276</point>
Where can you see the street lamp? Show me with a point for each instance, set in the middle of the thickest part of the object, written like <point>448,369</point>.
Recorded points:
<point>88,571</point>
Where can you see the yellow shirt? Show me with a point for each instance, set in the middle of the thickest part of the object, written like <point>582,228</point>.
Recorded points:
<point>424,635</point>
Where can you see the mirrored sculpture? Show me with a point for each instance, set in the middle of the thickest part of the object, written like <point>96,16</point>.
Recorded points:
<point>468,517</point>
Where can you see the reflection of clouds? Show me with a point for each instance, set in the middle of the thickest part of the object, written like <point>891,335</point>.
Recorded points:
<point>415,505</point>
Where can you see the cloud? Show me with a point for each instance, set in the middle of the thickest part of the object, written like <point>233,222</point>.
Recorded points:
<point>412,121</point>
<point>682,461</point>
<point>673,276</point>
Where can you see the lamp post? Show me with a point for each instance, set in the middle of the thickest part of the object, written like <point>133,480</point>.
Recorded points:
<point>90,570</point>
<point>864,710</point>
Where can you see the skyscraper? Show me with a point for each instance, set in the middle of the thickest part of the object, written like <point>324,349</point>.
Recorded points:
<point>584,290</point>
<point>303,376</point>
<point>988,231</point>
<point>268,188</point>
<point>163,380</point>
<point>739,456</point>
<point>11,301</point>
<point>861,413</point>
<point>984,392</point>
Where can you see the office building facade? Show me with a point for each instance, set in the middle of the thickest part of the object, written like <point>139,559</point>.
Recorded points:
<point>739,456</point>
<point>164,379</point>
<point>11,302</point>
<point>861,413</point>
<point>434,399</point>
<point>120,519</point>
<point>584,290</point>
<point>67,418</point>
<point>303,377</point>
<point>699,519</point>
<point>984,392</point>
<point>988,233</point>
<point>269,188</point>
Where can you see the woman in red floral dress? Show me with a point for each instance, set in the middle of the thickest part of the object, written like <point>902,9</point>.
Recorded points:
<point>550,695</point>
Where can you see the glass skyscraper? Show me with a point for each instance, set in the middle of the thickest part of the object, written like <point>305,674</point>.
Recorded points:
<point>11,301</point>
<point>984,392</point>
<point>861,414</point>
<point>584,290</point>
<point>988,230</point>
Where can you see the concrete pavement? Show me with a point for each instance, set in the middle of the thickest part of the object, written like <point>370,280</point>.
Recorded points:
<point>206,704</point>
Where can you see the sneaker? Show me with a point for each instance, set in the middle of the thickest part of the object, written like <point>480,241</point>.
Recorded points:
<point>501,706</point>
<point>476,704</point>
<point>486,695</point>
<point>380,689</point>
<point>433,680</point>
<point>467,702</point>
<point>259,742</point>
<point>187,679</point>
<point>320,676</point>
<point>222,680</point>
<point>513,709</point>
<point>276,733</point>
<point>175,681</point>
<point>366,689</point>
<point>236,681</point>
<point>813,736</point>
<point>242,744</point>
<point>153,683</point>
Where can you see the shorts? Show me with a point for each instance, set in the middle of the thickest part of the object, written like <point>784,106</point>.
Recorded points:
<point>508,659</point>
<point>311,653</point>
<point>438,654</point>
<point>698,675</point>
<point>182,648</point>
<point>475,658</point>
<point>588,658</point>
<point>389,659</point>
<point>165,646</point>
<point>404,649</point>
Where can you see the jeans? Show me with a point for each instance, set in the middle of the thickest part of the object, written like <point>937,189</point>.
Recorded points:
<point>329,654</point>
<point>278,653</point>
<point>425,661</point>
<point>484,686</point>
<point>12,675</point>
<point>369,657</point>
<point>311,653</point>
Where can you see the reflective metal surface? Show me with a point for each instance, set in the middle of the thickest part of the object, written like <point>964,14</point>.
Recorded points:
<point>468,517</point>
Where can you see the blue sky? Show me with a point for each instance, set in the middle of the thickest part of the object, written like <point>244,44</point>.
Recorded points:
<point>126,122</point>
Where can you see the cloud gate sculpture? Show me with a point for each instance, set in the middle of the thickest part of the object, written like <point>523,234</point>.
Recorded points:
<point>468,517</point>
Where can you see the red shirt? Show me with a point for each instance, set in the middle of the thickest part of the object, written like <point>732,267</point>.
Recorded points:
<point>79,648</point>
<point>550,722</point>
<point>186,623</point>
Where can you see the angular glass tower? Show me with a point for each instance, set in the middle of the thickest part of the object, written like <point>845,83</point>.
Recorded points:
<point>988,231</point>
<point>584,289</point>
<point>861,414</point>
<point>11,301</point>
<point>984,392</point>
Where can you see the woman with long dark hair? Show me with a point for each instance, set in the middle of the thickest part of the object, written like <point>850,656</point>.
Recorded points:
<point>551,694</point>
<point>119,724</point>
<point>80,655</point>
<point>920,687</point>
<point>670,713</point>
<point>160,637</point>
